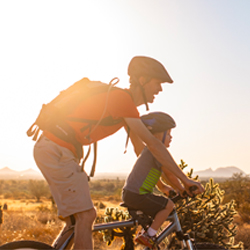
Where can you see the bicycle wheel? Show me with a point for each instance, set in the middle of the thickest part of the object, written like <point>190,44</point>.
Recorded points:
<point>208,246</point>
<point>198,246</point>
<point>156,248</point>
<point>26,245</point>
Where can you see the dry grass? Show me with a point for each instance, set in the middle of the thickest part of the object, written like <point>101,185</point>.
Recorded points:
<point>244,235</point>
<point>243,232</point>
<point>28,220</point>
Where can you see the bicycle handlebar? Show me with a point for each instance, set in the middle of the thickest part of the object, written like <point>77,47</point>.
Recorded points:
<point>175,197</point>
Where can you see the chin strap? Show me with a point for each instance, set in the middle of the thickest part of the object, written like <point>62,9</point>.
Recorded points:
<point>164,136</point>
<point>144,96</point>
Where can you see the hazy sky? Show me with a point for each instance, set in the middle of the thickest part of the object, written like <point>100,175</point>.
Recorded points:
<point>46,46</point>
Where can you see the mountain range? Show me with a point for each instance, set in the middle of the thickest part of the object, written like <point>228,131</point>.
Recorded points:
<point>222,172</point>
<point>219,173</point>
<point>7,173</point>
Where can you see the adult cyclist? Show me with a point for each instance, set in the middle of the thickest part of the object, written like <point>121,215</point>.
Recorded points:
<point>58,159</point>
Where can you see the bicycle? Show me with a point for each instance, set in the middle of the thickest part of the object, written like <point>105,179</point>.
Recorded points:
<point>173,228</point>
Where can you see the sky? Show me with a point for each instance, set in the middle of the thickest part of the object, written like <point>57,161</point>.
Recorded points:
<point>46,46</point>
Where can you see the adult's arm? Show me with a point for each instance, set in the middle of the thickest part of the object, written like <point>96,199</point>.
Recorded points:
<point>160,152</point>
<point>138,144</point>
<point>172,180</point>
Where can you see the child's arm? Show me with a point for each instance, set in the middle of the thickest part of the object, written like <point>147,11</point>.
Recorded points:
<point>163,187</point>
<point>172,180</point>
<point>161,154</point>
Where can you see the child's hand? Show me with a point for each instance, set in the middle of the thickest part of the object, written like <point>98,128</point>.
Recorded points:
<point>166,190</point>
<point>172,194</point>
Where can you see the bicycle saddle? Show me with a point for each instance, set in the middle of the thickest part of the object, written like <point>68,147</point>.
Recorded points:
<point>143,219</point>
<point>123,204</point>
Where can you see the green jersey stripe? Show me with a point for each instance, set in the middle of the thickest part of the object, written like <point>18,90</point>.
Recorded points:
<point>150,181</point>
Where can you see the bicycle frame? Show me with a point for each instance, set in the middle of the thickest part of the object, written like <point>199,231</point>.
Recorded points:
<point>99,227</point>
<point>173,226</point>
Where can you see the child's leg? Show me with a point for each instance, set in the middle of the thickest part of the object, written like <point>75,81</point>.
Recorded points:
<point>158,207</point>
<point>161,216</point>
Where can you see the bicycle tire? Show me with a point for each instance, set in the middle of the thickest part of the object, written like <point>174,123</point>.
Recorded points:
<point>25,245</point>
<point>200,246</point>
<point>208,246</point>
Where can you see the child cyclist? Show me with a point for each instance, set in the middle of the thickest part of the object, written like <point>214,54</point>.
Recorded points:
<point>145,175</point>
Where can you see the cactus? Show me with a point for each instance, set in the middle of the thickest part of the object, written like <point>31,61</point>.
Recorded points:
<point>114,214</point>
<point>205,218</point>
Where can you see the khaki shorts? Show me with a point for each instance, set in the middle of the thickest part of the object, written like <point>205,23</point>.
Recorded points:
<point>68,184</point>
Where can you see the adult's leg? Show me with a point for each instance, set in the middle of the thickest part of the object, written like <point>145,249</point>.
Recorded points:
<point>83,229</point>
<point>69,187</point>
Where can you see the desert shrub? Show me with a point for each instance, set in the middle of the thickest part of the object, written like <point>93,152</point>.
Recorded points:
<point>18,194</point>
<point>22,189</point>
<point>8,195</point>
<point>237,188</point>
<point>46,217</point>
<point>96,186</point>
<point>107,188</point>
<point>242,235</point>
<point>39,188</point>
<point>244,212</point>
<point>44,209</point>
<point>110,187</point>
<point>99,205</point>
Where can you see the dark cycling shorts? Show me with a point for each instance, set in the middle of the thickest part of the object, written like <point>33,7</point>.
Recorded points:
<point>149,204</point>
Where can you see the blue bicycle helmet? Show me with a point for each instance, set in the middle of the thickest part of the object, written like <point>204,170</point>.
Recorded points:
<point>158,122</point>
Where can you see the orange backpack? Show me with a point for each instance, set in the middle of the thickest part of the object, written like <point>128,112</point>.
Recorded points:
<point>52,116</point>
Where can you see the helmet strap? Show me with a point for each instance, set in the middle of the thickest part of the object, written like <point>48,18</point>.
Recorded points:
<point>164,136</point>
<point>144,96</point>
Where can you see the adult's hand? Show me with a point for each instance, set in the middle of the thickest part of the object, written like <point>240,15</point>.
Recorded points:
<point>193,187</point>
